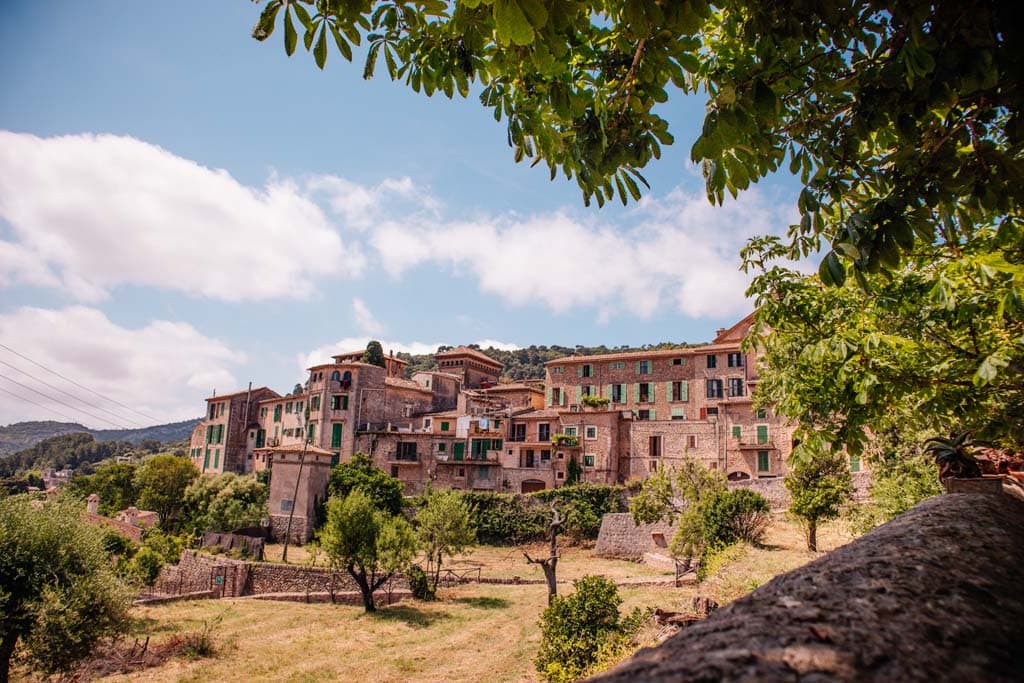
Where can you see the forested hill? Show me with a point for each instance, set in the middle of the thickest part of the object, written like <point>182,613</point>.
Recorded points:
<point>21,435</point>
<point>528,363</point>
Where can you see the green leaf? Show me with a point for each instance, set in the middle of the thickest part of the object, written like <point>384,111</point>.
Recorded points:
<point>320,51</point>
<point>343,47</point>
<point>765,102</point>
<point>265,24</point>
<point>291,38</point>
<point>831,271</point>
<point>688,62</point>
<point>511,23</point>
<point>303,15</point>
<point>989,369</point>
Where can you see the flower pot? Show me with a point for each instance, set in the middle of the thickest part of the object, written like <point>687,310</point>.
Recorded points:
<point>991,484</point>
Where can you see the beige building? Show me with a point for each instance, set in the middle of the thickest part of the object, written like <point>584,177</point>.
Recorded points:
<point>225,439</point>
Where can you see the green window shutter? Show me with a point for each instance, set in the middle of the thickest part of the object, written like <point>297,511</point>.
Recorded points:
<point>444,426</point>
<point>650,391</point>
<point>579,393</point>
<point>547,396</point>
<point>309,433</point>
<point>668,391</point>
<point>344,402</point>
<point>336,436</point>
<point>678,412</point>
<point>441,448</point>
<point>736,431</point>
<point>496,444</point>
<point>685,389</point>
<point>579,370</point>
<point>220,433</point>
<point>653,415</point>
<point>762,461</point>
<point>638,367</point>
<point>216,458</point>
<point>277,413</point>
<point>762,433</point>
<point>636,392</point>
<point>565,397</point>
<point>206,460</point>
<point>209,433</point>
<point>458,450</point>
<point>608,393</point>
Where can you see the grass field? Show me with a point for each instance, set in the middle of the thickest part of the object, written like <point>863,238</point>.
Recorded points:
<point>475,632</point>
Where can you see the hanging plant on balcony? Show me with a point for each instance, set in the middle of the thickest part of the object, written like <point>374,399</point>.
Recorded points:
<point>565,441</point>
<point>599,402</point>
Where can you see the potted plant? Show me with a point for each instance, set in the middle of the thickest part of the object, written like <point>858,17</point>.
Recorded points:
<point>958,468</point>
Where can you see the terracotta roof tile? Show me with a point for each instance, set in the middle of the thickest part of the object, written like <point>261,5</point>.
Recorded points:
<point>466,351</point>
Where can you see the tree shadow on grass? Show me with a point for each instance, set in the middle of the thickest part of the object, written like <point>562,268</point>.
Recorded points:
<point>484,602</point>
<point>413,616</point>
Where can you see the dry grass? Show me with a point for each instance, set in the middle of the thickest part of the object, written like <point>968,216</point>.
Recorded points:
<point>476,632</point>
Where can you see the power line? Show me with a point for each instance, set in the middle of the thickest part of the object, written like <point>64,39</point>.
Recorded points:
<point>66,405</point>
<point>80,386</point>
<point>78,398</point>
<point>35,403</point>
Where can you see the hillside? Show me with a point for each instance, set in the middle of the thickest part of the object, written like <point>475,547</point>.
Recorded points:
<point>22,435</point>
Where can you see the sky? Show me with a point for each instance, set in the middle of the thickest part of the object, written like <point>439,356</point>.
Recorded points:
<point>184,210</point>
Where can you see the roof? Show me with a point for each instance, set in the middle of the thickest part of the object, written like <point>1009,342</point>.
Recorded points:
<point>406,384</point>
<point>444,413</point>
<point>243,392</point>
<point>360,353</point>
<point>466,351</point>
<point>449,375</point>
<point>640,355</point>
<point>739,329</point>
<point>289,397</point>
<point>350,362</point>
<point>546,413</point>
<point>516,386</point>
<point>295,448</point>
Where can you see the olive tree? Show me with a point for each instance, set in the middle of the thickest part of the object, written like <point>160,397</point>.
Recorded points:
<point>819,485</point>
<point>444,526</point>
<point>58,592</point>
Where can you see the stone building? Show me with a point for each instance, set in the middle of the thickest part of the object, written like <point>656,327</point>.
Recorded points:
<point>225,439</point>
<point>476,369</point>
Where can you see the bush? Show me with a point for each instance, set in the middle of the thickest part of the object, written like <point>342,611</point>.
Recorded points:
<point>575,628</point>
<point>145,566</point>
<point>735,515</point>
<point>419,586</point>
<point>505,518</point>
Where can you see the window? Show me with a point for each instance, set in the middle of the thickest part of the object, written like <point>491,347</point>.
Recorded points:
<point>654,446</point>
<point>557,370</point>
<point>569,431</point>
<point>311,432</point>
<point>336,402</point>
<point>735,386</point>
<point>545,456</point>
<point>561,456</point>
<point>714,387</point>
<point>261,437</point>
<point>854,463</point>
<point>263,413</point>
<point>288,407</point>
<point>206,460</point>
<point>526,459</point>
<point>680,391</point>
<point>406,451</point>
<point>335,376</point>
<point>653,465</point>
<point>445,426</point>
<point>618,393</point>
<point>711,411</point>
<point>394,471</point>
<point>678,361</point>
<point>336,435</point>
<point>644,392</point>
<point>762,414</point>
<point>643,367</point>
<point>736,431</point>
<point>560,475</point>
<point>556,396</point>
<point>678,414</point>
<point>213,410</point>
<point>519,433</point>
<point>712,361</point>
<point>691,441</point>
<point>216,458</point>
<point>643,415</point>
<point>762,461</point>
<point>585,370</point>
<point>460,471</point>
<point>619,365</point>
<point>442,447</point>
<point>314,403</point>
<point>586,390</point>
<point>286,505</point>
<point>590,432</point>
<point>588,461</point>
<point>762,433</point>
<point>543,431</point>
<point>735,360</point>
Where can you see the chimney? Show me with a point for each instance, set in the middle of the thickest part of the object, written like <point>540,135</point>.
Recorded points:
<point>719,332</point>
<point>92,504</point>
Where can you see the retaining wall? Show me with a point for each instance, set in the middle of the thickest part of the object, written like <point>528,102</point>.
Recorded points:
<point>620,537</point>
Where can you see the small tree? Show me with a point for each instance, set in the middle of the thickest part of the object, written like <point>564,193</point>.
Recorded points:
<point>368,543</point>
<point>374,354</point>
<point>58,592</point>
<point>162,482</point>
<point>574,629</point>
<point>550,563</point>
<point>573,472</point>
<point>819,484</point>
<point>444,527</point>
<point>360,473</point>
<point>114,482</point>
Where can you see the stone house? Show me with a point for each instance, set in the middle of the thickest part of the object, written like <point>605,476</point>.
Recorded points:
<point>224,440</point>
<point>476,369</point>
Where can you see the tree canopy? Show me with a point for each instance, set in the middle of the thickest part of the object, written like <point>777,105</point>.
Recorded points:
<point>162,483</point>
<point>360,473</point>
<point>58,592</point>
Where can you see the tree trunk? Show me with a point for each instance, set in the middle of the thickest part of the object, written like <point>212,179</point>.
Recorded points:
<point>364,588</point>
<point>812,535</point>
<point>6,652</point>
<point>550,563</point>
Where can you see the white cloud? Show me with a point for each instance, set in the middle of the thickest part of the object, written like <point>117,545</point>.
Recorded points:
<point>164,369</point>
<point>324,353</point>
<point>681,252</point>
<point>96,211</point>
<point>362,206</point>
<point>365,321</point>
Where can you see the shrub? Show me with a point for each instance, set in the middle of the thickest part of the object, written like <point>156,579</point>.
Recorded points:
<point>576,627</point>
<point>145,566</point>
<point>505,518</point>
<point>418,583</point>
<point>735,515</point>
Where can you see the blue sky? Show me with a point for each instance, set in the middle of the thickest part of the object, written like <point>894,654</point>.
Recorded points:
<point>183,207</point>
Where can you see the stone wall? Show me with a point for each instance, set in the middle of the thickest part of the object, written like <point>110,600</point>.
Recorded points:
<point>226,577</point>
<point>621,537</point>
<point>933,595</point>
<point>774,489</point>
